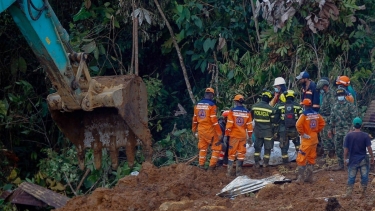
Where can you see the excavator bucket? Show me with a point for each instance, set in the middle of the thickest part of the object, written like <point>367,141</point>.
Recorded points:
<point>113,116</point>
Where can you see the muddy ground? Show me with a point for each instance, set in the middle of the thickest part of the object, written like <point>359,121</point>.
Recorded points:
<point>186,187</point>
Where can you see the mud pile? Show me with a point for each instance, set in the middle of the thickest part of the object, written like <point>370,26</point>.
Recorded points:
<point>184,187</point>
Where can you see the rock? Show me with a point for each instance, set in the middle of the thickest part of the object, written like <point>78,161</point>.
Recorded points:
<point>176,205</point>
<point>213,208</point>
<point>373,182</point>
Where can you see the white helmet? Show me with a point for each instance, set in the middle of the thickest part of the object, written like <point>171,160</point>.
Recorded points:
<point>279,81</point>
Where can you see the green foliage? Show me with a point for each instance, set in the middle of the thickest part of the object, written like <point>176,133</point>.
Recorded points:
<point>60,169</point>
<point>7,206</point>
<point>178,146</point>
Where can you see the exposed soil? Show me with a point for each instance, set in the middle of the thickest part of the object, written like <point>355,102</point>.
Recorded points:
<point>186,187</point>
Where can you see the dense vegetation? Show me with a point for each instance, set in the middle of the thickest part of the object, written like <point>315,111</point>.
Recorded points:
<point>235,46</point>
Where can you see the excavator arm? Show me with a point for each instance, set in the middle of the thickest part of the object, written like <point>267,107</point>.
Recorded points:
<point>92,112</point>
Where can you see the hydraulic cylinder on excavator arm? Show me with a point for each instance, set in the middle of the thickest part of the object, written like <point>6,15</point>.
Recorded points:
<point>92,112</point>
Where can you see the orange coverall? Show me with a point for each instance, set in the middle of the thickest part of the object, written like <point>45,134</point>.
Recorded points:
<point>205,121</point>
<point>309,123</point>
<point>238,125</point>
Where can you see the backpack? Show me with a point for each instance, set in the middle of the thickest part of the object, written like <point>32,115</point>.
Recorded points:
<point>290,117</point>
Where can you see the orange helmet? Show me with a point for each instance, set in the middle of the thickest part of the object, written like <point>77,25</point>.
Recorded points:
<point>239,98</point>
<point>306,102</point>
<point>343,80</point>
<point>225,113</point>
<point>210,90</point>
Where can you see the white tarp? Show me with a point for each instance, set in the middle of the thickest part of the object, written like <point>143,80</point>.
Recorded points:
<point>275,158</point>
<point>372,145</point>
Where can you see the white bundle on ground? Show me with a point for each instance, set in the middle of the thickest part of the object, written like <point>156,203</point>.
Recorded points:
<point>275,158</point>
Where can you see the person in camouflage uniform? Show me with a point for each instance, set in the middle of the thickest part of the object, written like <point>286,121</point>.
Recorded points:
<point>342,114</point>
<point>328,100</point>
<point>287,131</point>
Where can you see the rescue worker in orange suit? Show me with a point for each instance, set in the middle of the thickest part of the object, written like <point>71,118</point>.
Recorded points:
<point>239,128</point>
<point>223,158</point>
<point>309,124</point>
<point>309,90</point>
<point>344,82</point>
<point>209,132</point>
<point>263,115</point>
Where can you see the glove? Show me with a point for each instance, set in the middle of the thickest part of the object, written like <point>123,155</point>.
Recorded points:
<point>196,135</point>
<point>305,136</point>
<point>249,141</point>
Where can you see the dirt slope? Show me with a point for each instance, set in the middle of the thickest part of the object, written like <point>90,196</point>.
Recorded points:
<point>184,187</point>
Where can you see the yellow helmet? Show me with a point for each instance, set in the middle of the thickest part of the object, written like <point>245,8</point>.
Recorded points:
<point>290,93</point>
<point>239,98</point>
<point>267,94</point>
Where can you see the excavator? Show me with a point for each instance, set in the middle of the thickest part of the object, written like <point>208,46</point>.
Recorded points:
<point>92,112</point>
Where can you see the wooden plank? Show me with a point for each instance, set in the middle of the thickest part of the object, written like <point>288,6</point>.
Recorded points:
<point>47,196</point>
<point>19,196</point>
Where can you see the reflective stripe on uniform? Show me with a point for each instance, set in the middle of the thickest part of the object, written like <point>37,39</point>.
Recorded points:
<point>316,106</point>
<point>262,120</point>
<point>213,116</point>
<point>230,121</point>
<point>202,150</point>
<point>263,109</point>
<point>267,139</point>
<point>266,156</point>
<point>256,154</point>
<point>285,156</point>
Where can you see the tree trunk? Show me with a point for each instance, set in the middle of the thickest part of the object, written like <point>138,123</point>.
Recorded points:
<point>133,32</point>
<point>135,42</point>
<point>178,52</point>
<point>255,20</point>
<point>136,47</point>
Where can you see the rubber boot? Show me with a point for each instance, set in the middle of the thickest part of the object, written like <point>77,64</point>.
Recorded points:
<point>322,160</point>
<point>256,165</point>
<point>202,167</point>
<point>349,191</point>
<point>286,162</point>
<point>309,173</point>
<point>239,164</point>
<point>211,168</point>
<point>219,163</point>
<point>363,192</point>
<point>301,175</point>
<point>331,154</point>
<point>340,167</point>
<point>229,168</point>
<point>265,162</point>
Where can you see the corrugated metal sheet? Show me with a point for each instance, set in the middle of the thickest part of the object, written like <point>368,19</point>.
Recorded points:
<point>369,118</point>
<point>47,196</point>
<point>243,184</point>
